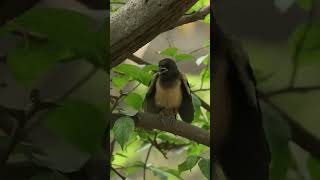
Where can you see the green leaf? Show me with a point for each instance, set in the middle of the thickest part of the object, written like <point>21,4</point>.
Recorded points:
<point>206,44</point>
<point>134,100</point>
<point>199,5</point>
<point>120,81</point>
<point>122,129</point>
<point>202,59</point>
<point>278,135</point>
<point>55,24</point>
<point>311,45</point>
<point>150,68</point>
<point>207,19</point>
<point>196,104</point>
<point>195,149</point>
<point>169,52</point>
<point>204,165</point>
<point>173,172</point>
<point>49,176</point>
<point>305,4</point>
<point>134,72</point>
<point>181,57</point>
<point>79,123</point>
<point>32,62</point>
<point>314,167</point>
<point>189,163</point>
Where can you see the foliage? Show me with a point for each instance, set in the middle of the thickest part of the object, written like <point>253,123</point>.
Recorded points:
<point>74,126</point>
<point>126,79</point>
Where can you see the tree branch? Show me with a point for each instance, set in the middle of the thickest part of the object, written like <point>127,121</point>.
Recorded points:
<point>145,162</point>
<point>291,90</point>
<point>137,22</point>
<point>137,60</point>
<point>299,134</point>
<point>199,15</point>
<point>150,121</point>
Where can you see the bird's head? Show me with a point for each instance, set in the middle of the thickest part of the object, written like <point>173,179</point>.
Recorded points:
<point>168,69</point>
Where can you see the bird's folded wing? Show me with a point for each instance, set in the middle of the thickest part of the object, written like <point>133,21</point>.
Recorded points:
<point>186,109</point>
<point>149,102</point>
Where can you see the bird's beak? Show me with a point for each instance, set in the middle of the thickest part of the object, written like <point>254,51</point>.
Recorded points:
<point>163,70</point>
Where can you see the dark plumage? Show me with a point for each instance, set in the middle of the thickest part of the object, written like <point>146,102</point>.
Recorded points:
<point>239,140</point>
<point>169,93</point>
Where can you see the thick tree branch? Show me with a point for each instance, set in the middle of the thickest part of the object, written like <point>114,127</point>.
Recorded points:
<point>138,22</point>
<point>149,121</point>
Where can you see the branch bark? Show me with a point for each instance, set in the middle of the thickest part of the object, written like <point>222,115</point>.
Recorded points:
<point>149,121</point>
<point>138,22</point>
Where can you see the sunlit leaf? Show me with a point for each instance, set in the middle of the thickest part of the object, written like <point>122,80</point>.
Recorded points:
<point>169,52</point>
<point>120,81</point>
<point>181,57</point>
<point>202,59</point>
<point>134,100</point>
<point>207,19</point>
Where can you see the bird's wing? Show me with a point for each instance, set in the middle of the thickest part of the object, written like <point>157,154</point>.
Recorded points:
<point>149,102</point>
<point>186,109</point>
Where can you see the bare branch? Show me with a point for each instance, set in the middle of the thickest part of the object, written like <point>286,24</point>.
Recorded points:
<point>120,175</point>
<point>199,15</point>
<point>299,134</point>
<point>292,90</point>
<point>145,162</point>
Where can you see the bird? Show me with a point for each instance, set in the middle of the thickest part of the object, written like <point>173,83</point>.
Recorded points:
<point>239,140</point>
<point>169,94</point>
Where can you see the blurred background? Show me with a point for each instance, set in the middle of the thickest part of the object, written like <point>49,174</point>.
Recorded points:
<point>270,30</point>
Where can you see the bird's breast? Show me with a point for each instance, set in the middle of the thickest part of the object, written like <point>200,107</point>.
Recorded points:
<point>168,97</point>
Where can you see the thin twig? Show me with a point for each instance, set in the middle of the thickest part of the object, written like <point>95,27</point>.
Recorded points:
<point>155,144</point>
<point>79,84</point>
<point>120,175</point>
<point>292,90</point>
<point>299,134</point>
<point>146,161</point>
<point>120,98</point>
<point>198,90</point>
<point>201,14</point>
<point>300,43</point>
<point>196,50</point>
